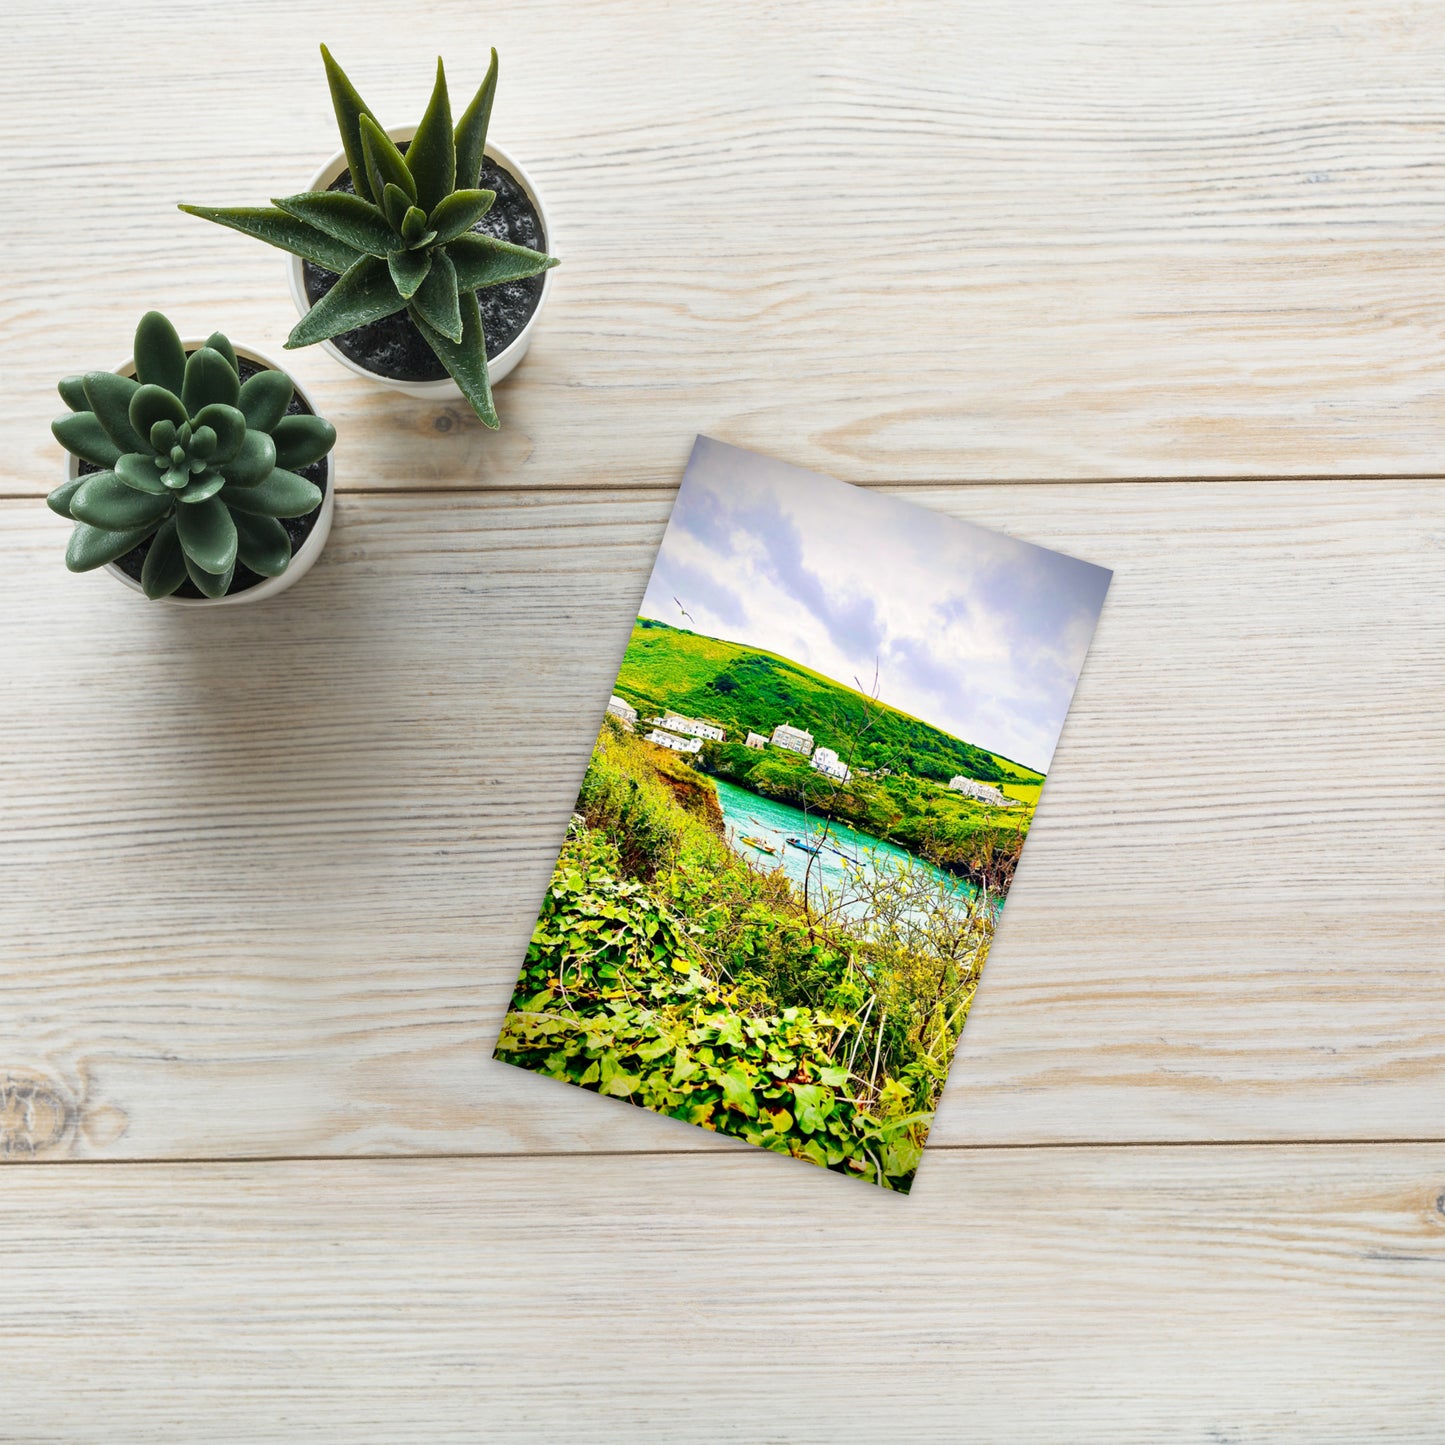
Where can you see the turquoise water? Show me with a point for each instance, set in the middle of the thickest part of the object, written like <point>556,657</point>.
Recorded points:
<point>748,815</point>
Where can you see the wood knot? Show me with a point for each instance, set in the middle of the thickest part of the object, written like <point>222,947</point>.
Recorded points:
<point>36,1116</point>
<point>444,421</point>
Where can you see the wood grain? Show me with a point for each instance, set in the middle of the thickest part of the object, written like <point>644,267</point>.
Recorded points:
<point>897,242</point>
<point>266,876</point>
<point>1098,1295</point>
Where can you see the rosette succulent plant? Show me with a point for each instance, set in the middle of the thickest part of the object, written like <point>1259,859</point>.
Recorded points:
<point>187,455</point>
<point>404,239</point>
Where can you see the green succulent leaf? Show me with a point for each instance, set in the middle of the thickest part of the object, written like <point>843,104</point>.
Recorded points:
<point>384,162</point>
<point>72,393</point>
<point>471,132</point>
<point>138,470</point>
<point>81,434</point>
<point>109,397</point>
<point>163,436</point>
<point>349,108</point>
<point>151,404</point>
<point>164,568</point>
<point>408,270</point>
<point>210,380</point>
<point>282,494</point>
<point>254,460</point>
<point>349,219</point>
<point>432,155</point>
<point>301,440</point>
<point>438,300</point>
<point>209,584</point>
<point>285,232</point>
<point>208,535</point>
<point>219,341</point>
<point>229,425</point>
<point>365,293</point>
<point>105,501</point>
<point>262,544</point>
<point>264,399</point>
<point>59,500</point>
<point>177,477</point>
<point>482,261</point>
<point>160,359</point>
<point>205,485</point>
<point>459,212</point>
<point>92,547</point>
<point>395,203</point>
<point>414,229</point>
<point>466,360</point>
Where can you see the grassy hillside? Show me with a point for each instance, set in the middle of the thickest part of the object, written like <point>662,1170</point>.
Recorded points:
<point>740,688</point>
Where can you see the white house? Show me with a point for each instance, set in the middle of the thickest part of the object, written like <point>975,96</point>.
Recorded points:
<point>621,708</point>
<point>756,740</point>
<point>796,740</point>
<point>827,762</point>
<point>675,722</point>
<point>677,744</point>
<point>971,788</point>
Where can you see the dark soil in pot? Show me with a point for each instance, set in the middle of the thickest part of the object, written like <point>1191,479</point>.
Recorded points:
<point>393,346</point>
<point>297,528</point>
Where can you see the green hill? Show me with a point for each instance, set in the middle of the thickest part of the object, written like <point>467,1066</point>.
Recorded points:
<point>741,689</point>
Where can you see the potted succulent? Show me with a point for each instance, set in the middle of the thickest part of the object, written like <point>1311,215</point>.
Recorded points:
<point>418,255</point>
<point>198,472</point>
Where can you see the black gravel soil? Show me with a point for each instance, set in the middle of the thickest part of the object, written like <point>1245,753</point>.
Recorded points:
<point>297,528</point>
<point>393,346</point>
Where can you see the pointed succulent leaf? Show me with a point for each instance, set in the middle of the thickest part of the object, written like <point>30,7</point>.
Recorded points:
<point>138,470</point>
<point>160,359</point>
<point>59,500</point>
<point>471,133</point>
<point>254,461</point>
<point>209,584</point>
<point>414,229</point>
<point>482,261</point>
<point>219,341</point>
<point>459,212</point>
<point>282,494</point>
<point>81,434</point>
<point>408,270</point>
<point>285,232</point>
<point>466,360</point>
<point>109,397</point>
<point>209,381</point>
<point>349,108</point>
<point>384,162</point>
<point>396,203</point>
<point>301,440</point>
<point>92,547</point>
<point>106,501</point>
<point>262,544</point>
<point>152,404</point>
<point>208,534</point>
<point>264,399</point>
<point>201,487</point>
<point>432,155</point>
<point>164,568</point>
<point>350,220</point>
<point>229,426</point>
<point>437,299</point>
<point>365,293</point>
<point>72,393</point>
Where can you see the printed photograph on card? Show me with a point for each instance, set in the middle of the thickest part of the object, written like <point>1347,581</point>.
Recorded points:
<point>795,838</point>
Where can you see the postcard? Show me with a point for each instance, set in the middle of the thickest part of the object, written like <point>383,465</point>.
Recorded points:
<point>799,824</point>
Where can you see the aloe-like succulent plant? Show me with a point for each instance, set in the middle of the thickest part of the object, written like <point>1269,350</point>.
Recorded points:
<point>190,457</point>
<point>404,239</point>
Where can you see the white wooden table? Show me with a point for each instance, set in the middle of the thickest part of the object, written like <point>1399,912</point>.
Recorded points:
<point>1159,285</point>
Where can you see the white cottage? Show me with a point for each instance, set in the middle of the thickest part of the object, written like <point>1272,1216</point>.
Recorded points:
<point>972,788</point>
<point>671,740</point>
<point>827,762</point>
<point>756,740</point>
<point>692,727</point>
<point>796,740</point>
<point>621,708</point>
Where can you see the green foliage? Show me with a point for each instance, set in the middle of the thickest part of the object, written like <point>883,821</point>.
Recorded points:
<point>404,240</point>
<point>184,447</point>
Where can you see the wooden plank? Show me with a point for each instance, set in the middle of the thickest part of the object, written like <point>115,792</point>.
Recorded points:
<point>266,876</point>
<point>1214,1294</point>
<point>900,243</point>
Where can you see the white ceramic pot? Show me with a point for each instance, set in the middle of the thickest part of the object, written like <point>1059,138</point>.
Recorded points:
<point>301,562</point>
<point>499,366</point>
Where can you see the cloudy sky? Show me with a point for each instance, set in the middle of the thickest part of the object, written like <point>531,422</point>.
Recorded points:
<point>975,632</point>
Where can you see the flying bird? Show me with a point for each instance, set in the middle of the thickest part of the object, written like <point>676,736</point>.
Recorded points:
<point>681,608</point>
